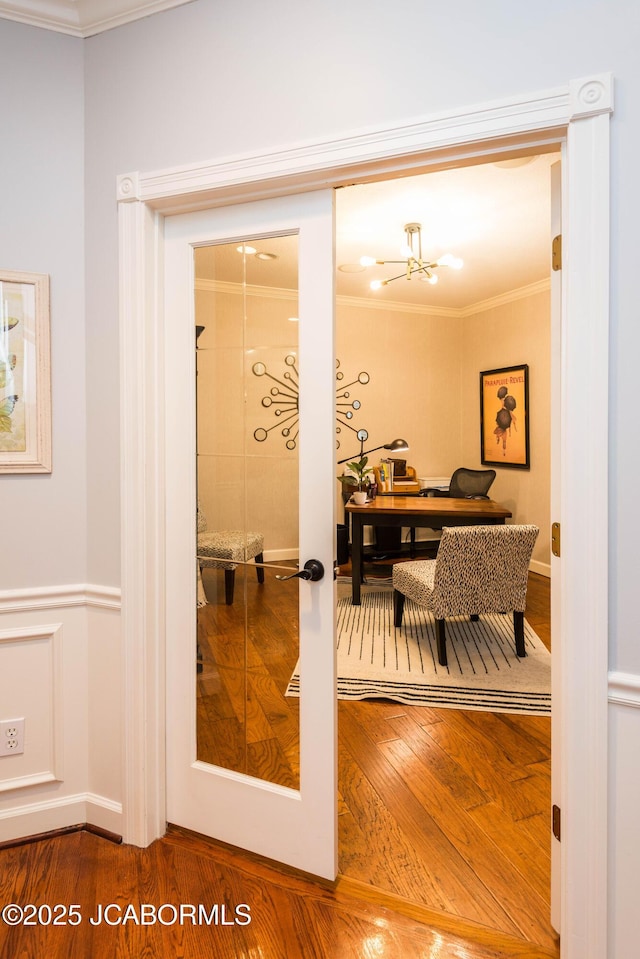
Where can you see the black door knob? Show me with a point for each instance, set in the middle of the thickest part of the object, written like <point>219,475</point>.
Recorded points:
<point>313,570</point>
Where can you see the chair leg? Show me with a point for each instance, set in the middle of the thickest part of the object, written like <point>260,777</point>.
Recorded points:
<point>518,631</point>
<point>441,639</point>
<point>229,583</point>
<point>260,569</point>
<point>398,607</point>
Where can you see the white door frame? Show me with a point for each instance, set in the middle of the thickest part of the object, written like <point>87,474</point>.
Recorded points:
<point>577,114</point>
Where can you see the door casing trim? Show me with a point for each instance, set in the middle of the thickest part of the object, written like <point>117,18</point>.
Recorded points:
<point>577,114</point>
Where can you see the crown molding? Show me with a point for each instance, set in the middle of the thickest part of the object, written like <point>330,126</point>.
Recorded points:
<point>82,18</point>
<point>540,286</point>
<point>397,306</point>
<point>226,286</point>
<point>387,306</point>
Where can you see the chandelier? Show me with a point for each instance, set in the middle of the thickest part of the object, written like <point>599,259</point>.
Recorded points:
<point>413,262</point>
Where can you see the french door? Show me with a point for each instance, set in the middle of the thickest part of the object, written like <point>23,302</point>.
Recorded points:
<point>250,491</point>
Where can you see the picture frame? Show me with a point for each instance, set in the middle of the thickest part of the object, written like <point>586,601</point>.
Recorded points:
<point>25,373</point>
<point>504,417</point>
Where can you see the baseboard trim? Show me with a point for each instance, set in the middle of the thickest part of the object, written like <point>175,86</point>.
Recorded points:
<point>63,813</point>
<point>64,831</point>
<point>281,555</point>
<point>544,569</point>
<point>113,837</point>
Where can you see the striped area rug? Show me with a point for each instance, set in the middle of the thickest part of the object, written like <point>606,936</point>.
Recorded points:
<point>376,660</point>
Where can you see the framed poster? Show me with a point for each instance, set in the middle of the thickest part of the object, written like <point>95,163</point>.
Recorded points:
<point>25,375</point>
<point>504,417</point>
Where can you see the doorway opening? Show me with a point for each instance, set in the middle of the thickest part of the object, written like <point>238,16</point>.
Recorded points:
<point>445,807</point>
<point>578,110</point>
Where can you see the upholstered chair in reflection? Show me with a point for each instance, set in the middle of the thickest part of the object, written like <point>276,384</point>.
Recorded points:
<point>224,549</point>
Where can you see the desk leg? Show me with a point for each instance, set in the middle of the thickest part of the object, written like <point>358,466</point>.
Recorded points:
<point>356,558</point>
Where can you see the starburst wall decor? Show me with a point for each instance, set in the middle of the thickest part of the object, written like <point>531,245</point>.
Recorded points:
<point>283,398</point>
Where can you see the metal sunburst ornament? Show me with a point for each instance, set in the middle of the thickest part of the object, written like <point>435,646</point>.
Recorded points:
<point>283,400</point>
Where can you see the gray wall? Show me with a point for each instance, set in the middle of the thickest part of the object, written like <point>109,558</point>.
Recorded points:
<point>213,79</point>
<point>41,212</point>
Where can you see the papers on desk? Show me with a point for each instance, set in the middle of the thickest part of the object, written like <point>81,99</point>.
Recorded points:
<point>434,482</point>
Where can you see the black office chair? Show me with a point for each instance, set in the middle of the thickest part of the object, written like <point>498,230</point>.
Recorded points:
<point>466,484</point>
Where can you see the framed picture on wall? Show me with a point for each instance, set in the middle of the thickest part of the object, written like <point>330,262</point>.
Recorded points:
<point>25,375</point>
<point>504,417</point>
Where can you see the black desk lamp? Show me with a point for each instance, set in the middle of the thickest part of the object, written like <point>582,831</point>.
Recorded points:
<point>396,446</point>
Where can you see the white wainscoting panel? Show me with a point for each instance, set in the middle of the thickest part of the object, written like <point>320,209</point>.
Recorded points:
<point>624,803</point>
<point>60,671</point>
<point>34,654</point>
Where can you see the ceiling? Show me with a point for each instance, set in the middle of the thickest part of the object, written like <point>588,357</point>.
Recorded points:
<point>82,18</point>
<point>495,216</point>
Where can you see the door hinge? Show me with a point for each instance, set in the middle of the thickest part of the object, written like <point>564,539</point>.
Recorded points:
<point>556,252</point>
<point>555,539</point>
<point>555,821</point>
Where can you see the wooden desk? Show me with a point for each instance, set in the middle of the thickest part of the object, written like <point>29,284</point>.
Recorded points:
<point>424,511</point>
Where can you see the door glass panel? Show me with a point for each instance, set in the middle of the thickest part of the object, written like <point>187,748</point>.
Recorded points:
<point>247,491</point>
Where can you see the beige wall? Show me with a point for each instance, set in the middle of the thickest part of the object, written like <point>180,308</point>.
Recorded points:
<point>425,388</point>
<point>508,335</point>
<point>242,483</point>
<point>414,364</point>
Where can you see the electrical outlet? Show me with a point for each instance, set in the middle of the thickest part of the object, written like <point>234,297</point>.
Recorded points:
<point>11,737</point>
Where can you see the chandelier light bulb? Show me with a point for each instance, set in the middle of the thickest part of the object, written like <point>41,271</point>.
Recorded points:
<point>450,260</point>
<point>411,250</point>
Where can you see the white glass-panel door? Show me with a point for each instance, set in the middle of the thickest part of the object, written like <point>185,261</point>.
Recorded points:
<point>250,449</point>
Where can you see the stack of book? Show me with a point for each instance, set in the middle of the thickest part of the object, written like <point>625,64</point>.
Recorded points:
<point>388,483</point>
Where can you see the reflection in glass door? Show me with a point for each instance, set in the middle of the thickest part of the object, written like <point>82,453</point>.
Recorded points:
<point>249,761</point>
<point>247,493</point>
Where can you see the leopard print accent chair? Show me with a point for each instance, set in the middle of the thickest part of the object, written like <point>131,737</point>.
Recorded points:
<point>479,569</point>
<point>224,549</point>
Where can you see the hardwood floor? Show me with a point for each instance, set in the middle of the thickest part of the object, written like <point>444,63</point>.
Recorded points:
<point>127,904</point>
<point>245,722</point>
<point>448,809</point>
<point>443,825</point>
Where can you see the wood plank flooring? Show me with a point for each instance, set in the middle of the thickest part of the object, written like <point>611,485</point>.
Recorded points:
<point>443,823</point>
<point>448,809</point>
<point>127,906</point>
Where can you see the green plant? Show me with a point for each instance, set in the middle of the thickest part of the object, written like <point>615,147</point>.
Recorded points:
<point>359,467</point>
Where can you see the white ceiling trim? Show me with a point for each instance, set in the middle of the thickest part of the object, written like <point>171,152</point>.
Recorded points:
<point>388,306</point>
<point>396,306</point>
<point>540,286</point>
<point>226,286</point>
<point>82,18</point>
